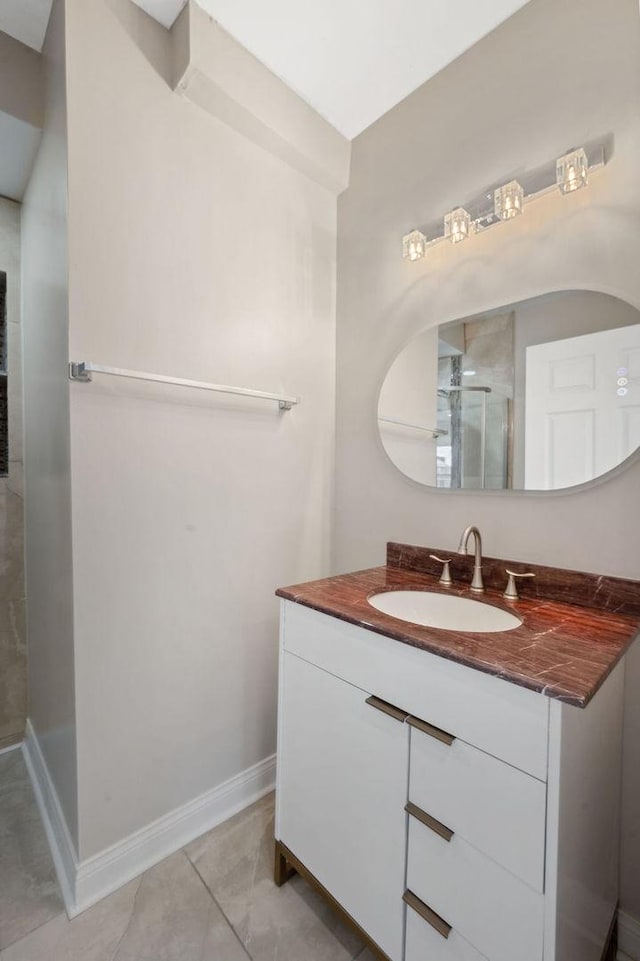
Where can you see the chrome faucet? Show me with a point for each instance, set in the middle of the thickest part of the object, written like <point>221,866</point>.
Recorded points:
<point>476,582</point>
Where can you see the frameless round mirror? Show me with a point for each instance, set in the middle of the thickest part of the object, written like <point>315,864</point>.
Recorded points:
<point>538,395</point>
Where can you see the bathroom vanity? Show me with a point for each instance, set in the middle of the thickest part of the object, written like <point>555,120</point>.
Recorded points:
<point>455,794</point>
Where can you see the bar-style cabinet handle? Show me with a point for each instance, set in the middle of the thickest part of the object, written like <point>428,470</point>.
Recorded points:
<point>437,826</point>
<point>395,712</point>
<point>432,731</point>
<point>425,912</point>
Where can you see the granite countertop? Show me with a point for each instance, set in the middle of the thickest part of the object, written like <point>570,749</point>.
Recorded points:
<point>563,649</point>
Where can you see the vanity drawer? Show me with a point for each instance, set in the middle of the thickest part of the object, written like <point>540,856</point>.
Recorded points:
<point>424,943</point>
<point>495,807</point>
<point>494,715</point>
<point>501,916</point>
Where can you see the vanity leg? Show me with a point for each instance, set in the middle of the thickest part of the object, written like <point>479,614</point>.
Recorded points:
<point>282,871</point>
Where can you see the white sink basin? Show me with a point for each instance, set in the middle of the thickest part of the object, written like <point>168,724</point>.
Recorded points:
<point>446,611</point>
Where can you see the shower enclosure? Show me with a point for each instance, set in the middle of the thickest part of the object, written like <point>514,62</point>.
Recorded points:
<point>474,448</point>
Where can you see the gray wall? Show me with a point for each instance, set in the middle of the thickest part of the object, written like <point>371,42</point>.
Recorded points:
<point>196,253</point>
<point>21,114</point>
<point>13,652</point>
<point>47,437</point>
<point>21,81</point>
<point>554,75</point>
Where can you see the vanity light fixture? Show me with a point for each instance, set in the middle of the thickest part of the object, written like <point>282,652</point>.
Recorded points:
<point>414,245</point>
<point>506,201</point>
<point>572,171</point>
<point>457,225</point>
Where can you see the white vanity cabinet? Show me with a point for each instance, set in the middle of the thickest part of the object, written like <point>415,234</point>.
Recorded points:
<point>454,816</point>
<point>341,757</point>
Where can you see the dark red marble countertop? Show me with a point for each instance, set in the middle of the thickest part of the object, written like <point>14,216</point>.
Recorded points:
<point>562,650</point>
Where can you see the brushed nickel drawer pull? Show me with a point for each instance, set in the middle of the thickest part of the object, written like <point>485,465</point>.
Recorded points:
<point>395,712</point>
<point>427,914</point>
<point>437,826</point>
<point>432,731</point>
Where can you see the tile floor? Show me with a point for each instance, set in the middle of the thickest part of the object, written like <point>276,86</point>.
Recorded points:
<point>212,901</point>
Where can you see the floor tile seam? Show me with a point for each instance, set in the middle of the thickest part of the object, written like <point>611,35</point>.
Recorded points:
<point>12,944</point>
<point>129,920</point>
<point>217,903</point>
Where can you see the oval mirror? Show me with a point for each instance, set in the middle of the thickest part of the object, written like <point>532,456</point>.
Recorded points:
<point>539,395</point>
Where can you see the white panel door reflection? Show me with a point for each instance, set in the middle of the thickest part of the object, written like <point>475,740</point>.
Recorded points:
<point>582,407</point>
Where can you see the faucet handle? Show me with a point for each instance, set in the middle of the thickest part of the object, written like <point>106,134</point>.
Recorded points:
<point>445,577</point>
<point>511,592</point>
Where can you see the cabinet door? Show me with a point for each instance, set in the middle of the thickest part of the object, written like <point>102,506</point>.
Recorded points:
<point>342,788</point>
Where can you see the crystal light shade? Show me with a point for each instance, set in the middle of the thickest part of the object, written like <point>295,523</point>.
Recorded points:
<point>457,225</point>
<point>508,200</point>
<point>572,170</point>
<point>493,206</point>
<point>414,245</point>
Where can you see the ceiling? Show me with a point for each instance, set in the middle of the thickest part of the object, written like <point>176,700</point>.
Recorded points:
<point>352,60</point>
<point>26,20</point>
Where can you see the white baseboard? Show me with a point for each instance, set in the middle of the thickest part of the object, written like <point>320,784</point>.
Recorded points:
<point>113,867</point>
<point>62,847</point>
<point>628,937</point>
<point>86,882</point>
<point>12,747</point>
